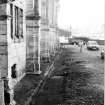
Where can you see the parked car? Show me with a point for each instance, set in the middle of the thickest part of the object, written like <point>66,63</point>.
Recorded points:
<point>92,45</point>
<point>73,43</point>
<point>102,54</point>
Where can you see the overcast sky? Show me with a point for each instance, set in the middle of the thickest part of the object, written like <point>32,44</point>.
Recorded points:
<point>86,15</point>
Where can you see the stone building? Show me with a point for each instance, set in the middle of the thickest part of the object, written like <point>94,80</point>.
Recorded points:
<point>12,47</point>
<point>49,36</point>
<point>42,37</point>
<point>33,33</point>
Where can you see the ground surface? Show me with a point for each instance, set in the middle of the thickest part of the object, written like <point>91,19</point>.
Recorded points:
<point>83,84</point>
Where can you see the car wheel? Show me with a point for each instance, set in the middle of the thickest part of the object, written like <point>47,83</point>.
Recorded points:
<point>97,48</point>
<point>102,57</point>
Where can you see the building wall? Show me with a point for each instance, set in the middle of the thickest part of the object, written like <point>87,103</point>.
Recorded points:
<point>44,28</point>
<point>3,52</point>
<point>53,22</point>
<point>48,26</point>
<point>32,33</point>
<point>44,40</point>
<point>12,50</point>
<point>3,49</point>
<point>29,7</point>
<point>16,48</point>
<point>1,92</point>
<point>32,29</point>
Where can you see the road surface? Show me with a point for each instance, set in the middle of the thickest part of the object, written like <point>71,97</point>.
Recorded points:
<point>83,84</point>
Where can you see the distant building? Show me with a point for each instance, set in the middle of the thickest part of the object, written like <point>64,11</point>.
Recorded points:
<point>64,36</point>
<point>63,40</point>
<point>12,47</point>
<point>65,33</point>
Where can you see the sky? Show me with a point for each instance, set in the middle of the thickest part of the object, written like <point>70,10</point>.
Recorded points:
<point>85,16</point>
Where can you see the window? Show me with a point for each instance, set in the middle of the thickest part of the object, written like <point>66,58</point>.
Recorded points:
<point>20,25</point>
<point>11,13</point>
<point>18,22</point>
<point>3,1</point>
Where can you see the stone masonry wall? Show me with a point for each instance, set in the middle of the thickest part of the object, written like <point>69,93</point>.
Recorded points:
<point>3,52</point>
<point>1,93</point>
<point>16,48</point>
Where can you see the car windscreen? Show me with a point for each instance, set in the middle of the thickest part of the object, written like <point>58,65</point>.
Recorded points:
<point>92,43</point>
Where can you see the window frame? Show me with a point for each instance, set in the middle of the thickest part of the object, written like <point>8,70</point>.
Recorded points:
<point>11,13</point>
<point>18,24</point>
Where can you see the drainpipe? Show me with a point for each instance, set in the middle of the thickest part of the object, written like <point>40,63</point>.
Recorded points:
<point>37,11</point>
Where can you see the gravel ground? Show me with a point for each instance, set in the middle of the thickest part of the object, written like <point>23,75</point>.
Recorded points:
<point>83,83</point>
